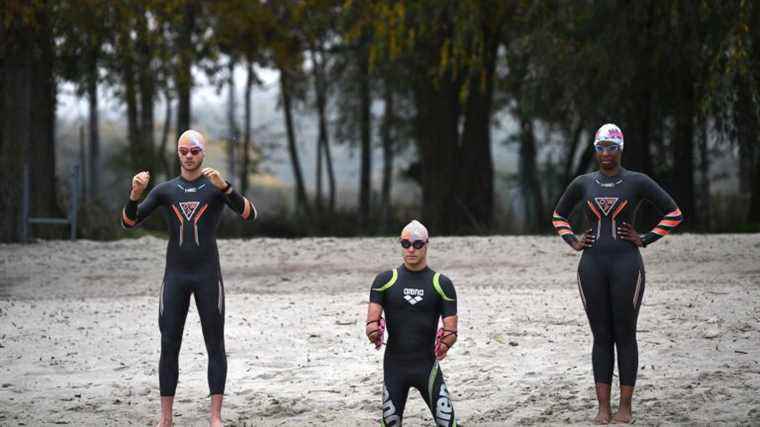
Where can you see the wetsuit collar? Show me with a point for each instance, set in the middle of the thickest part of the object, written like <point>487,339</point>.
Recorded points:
<point>426,269</point>
<point>195,181</point>
<point>599,174</point>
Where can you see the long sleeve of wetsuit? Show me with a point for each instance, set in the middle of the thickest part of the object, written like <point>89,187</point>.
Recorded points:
<point>567,202</point>
<point>133,214</point>
<point>654,193</point>
<point>240,204</point>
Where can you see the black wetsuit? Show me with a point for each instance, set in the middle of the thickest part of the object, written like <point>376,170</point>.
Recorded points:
<point>192,211</point>
<point>413,302</point>
<point>611,272</point>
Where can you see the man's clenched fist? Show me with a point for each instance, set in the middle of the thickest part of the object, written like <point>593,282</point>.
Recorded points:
<point>139,184</point>
<point>215,177</point>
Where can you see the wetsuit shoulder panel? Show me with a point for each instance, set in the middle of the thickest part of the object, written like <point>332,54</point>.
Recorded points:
<point>445,289</point>
<point>382,282</point>
<point>438,288</point>
<point>385,280</point>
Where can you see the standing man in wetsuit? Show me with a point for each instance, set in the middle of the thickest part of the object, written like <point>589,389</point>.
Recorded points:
<point>413,297</point>
<point>611,271</point>
<point>193,204</point>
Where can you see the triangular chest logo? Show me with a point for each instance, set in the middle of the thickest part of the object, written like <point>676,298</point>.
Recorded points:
<point>605,203</point>
<point>188,208</point>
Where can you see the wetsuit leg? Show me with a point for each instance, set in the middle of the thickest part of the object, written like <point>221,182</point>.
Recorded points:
<point>395,392</point>
<point>172,312</point>
<point>209,298</point>
<point>594,287</point>
<point>626,292</point>
<point>436,397</point>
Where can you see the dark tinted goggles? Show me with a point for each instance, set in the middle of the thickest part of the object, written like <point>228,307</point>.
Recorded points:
<point>417,244</point>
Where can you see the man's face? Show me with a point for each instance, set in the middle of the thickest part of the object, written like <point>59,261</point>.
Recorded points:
<point>416,252</point>
<point>190,155</point>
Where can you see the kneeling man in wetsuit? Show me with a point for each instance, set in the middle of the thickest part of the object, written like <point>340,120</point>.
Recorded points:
<point>413,297</point>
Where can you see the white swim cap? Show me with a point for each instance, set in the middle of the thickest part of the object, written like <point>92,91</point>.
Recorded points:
<point>193,138</point>
<point>415,231</point>
<point>609,132</point>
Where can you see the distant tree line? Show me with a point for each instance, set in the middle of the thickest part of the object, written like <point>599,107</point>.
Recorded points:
<point>676,75</point>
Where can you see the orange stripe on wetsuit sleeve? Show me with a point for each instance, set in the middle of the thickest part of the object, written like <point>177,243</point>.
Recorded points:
<point>247,209</point>
<point>660,231</point>
<point>675,213</point>
<point>620,208</point>
<point>594,210</point>
<point>669,223</point>
<point>126,219</point>
<point>564,231</point>
<point>200,213</point>
<point>176,212</point>
<point>561,224</point>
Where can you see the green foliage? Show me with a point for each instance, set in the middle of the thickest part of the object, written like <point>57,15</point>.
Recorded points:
<point>656,67</point>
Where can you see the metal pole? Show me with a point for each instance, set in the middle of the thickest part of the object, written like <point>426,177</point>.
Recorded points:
<point>74,205</point>
<point>24,220</point>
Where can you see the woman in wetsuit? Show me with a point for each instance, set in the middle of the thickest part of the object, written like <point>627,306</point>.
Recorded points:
<point>611,272</point>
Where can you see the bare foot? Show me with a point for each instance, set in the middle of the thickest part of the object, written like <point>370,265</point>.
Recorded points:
<point>622,417</point>
<point>164,422</point>
<point>216,422</point>
<point>603,417</point>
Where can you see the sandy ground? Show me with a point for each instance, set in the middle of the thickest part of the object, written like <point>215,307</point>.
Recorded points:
<point>79,340</point>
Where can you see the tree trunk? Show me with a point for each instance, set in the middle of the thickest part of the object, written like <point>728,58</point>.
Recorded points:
<point>162,156</point>
<point>474,199</point>
<point>325,134</point>
<point>244,169</point>
<point>639,127</point>
<point>748,142</point>
<point>386,132</point>
<point>683,150</point>
<point>685,113</point>
<point>321,101</point>
<point>2,93</point>
<point>745,132</point>
<point>302,203</point>
<point>586,160</point>
<point>83,161</point>
<point>44,201</point>
<point>133,126</point>
<point>184,76</point>
<point>704,174</point>
<point>318,189</point>
<point>16,123</point>
<point>147,94</point>
<point>94,134</point>
<point>576,132</point>
<point>753,215</point>
<point>638,118</point>
<point>365,184</point>
<point>331,185</point>
<point>535,213</point>
<point>28,107</point>
<point>475,196</point>
<point>233,131</point>
<point>437,117</point>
